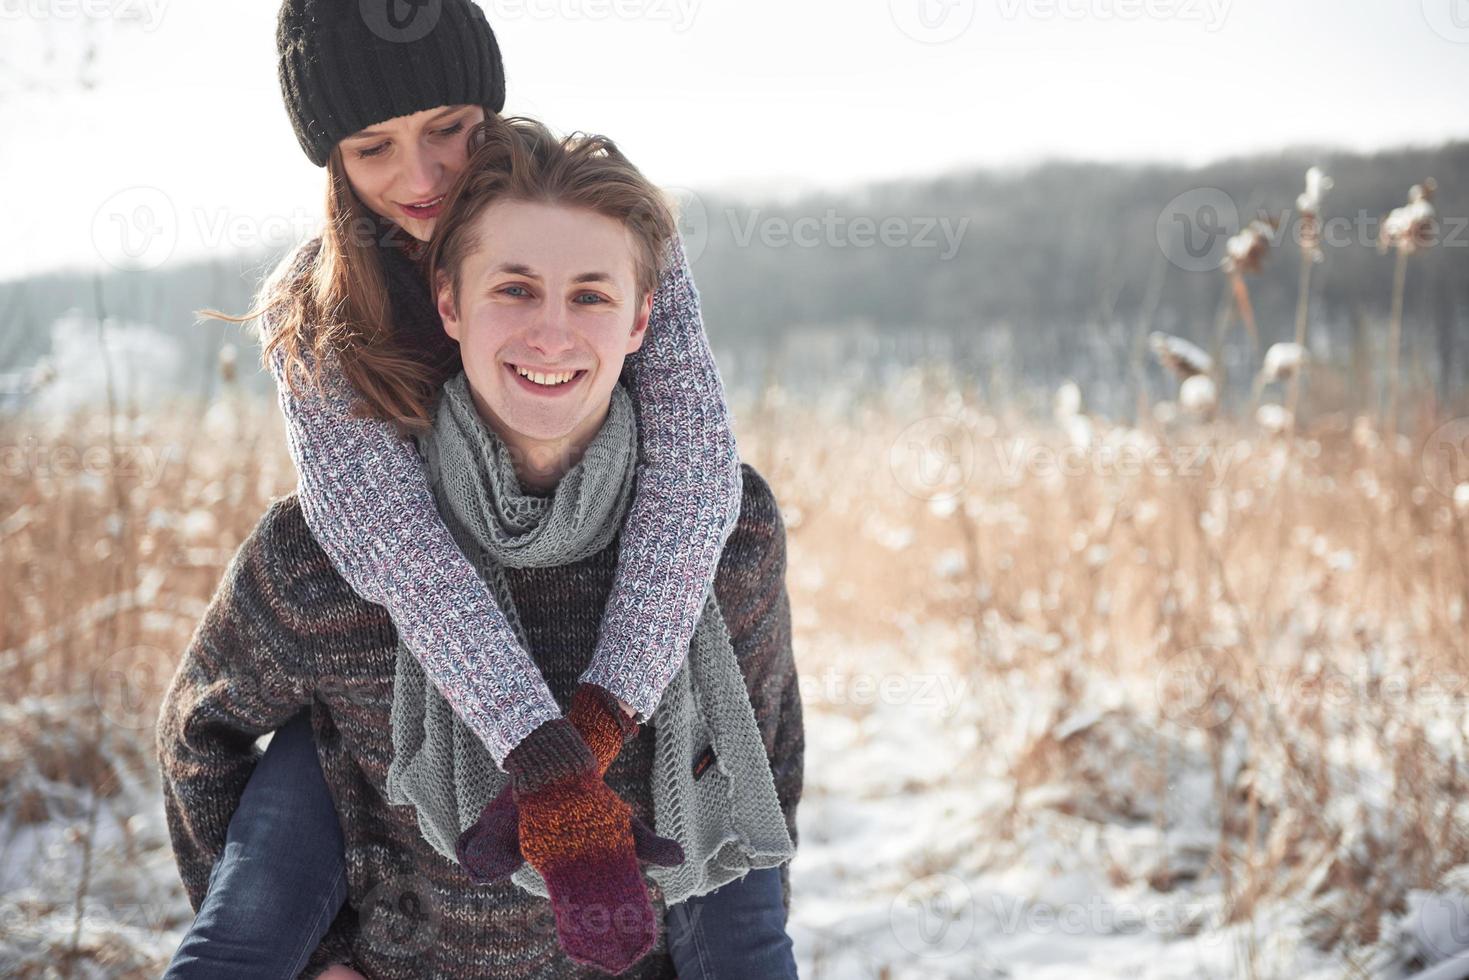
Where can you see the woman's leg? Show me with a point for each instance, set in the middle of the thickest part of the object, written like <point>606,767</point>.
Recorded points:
<point>282,877</point>
<point>734,932</point>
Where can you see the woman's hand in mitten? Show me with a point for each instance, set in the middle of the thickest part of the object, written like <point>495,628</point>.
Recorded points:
<point>578,834</point>
<point>489,850</point>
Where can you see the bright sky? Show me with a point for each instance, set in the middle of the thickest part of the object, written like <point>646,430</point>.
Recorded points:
<point>750,95</point>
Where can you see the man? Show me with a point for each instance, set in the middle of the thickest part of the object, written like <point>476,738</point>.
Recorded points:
<point>542,293</point>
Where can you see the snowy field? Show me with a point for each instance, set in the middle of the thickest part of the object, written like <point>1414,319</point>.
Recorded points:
<point>1065,717</point>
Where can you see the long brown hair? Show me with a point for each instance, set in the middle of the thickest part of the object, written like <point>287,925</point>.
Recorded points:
<point>330,300</point>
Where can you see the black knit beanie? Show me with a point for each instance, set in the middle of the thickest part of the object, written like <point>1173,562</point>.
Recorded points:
<point>345,65</point>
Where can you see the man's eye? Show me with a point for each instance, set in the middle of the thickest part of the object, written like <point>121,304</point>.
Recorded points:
<point>507,290</point>
<point>591,296</point>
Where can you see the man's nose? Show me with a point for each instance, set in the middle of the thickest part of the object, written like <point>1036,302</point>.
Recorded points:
<point>551,333</point>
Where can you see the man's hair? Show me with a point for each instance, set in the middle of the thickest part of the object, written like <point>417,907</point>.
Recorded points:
<point>518,159</point>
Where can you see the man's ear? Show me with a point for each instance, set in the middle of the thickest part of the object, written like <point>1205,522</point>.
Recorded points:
<point>640,324</point>
<point>447,312</point>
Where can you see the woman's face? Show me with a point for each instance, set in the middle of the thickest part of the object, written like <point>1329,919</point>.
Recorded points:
<point>550,290</point>
<point>403,167</point>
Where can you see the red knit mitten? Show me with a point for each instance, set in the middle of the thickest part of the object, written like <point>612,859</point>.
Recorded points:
<point>578,834</point>
<point>489,850</point>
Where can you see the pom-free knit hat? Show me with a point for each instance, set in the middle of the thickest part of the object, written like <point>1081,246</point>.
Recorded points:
<point>345,65</point>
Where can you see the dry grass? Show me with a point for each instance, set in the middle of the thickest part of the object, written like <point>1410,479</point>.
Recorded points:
<point>1291,624</point>
<point>1275,627</point>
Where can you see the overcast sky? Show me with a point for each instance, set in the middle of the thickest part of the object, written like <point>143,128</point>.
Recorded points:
<point>717,94</point>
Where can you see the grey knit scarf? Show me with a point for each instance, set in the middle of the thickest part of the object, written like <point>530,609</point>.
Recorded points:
<point>729,821</point>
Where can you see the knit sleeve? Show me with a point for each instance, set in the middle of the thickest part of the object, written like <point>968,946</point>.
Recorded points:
<point>238,679</point>
<point>686,503</point>
<point>365,495</point>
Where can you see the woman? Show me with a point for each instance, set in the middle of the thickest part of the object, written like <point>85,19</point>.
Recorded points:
<point>390,131</point>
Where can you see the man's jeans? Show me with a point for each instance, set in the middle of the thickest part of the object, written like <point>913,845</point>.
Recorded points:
<point>734,932</point>
<point>282,879</point>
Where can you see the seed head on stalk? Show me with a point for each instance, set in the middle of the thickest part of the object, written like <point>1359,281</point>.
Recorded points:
<point>1244,253</point>
<point>1407,229</point>
<point>1180,356</point>
<point>1308,205</point>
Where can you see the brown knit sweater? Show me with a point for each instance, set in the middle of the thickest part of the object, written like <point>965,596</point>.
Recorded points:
<point>285,631</point>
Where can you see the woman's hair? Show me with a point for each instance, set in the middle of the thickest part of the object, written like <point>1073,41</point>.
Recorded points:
<point>519,159</point>
<point>337,304</point>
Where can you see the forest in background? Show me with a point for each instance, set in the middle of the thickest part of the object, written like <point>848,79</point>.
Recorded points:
<point>1018,279</point>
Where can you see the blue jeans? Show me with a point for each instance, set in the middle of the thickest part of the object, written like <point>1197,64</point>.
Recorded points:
<point>734,932</point>
<point>282,879</point>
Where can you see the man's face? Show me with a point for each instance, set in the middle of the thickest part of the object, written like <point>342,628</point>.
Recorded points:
<point>550,290</point>
<point>410,160</point>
